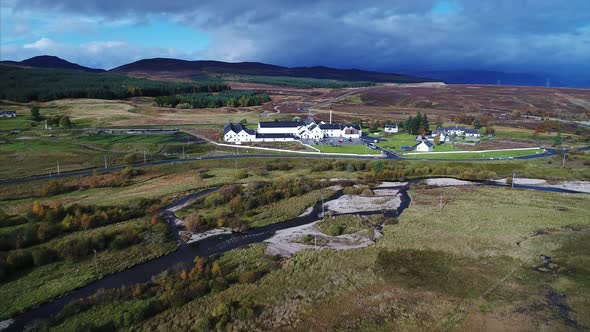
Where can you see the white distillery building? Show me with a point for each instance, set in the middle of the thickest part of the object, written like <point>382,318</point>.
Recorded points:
<point>289,131</point>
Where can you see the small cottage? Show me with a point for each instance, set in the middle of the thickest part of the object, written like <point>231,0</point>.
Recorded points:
<point>425,146</point>
<point>391,129</point>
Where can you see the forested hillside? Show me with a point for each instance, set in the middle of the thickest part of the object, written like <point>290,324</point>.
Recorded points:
<point>233,98</point>
<point>303,82</point>
<point>40,84</point>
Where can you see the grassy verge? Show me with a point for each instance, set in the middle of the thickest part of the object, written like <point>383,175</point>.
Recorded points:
<point>476,155</point>
<point>353,149</point>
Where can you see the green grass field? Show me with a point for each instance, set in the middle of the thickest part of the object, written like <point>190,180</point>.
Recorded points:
<point>352,149</point>
<point>475,155</point>
<point>20,122</point>
<point>396,141</point>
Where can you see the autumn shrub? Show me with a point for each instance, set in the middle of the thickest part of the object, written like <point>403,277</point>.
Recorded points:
<point>248,277</point>
<point>367,193</point>
<point>335,229</point>
<point>321,166</point>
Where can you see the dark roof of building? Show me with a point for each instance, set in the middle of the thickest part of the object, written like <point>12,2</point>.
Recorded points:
<point>312,127</point>
<point>258,135</point>
<point>334,126</point>
<point>271,124</point>
<point>428,143</point>
<point>236,128</point>
<point>390,126</point>
<point>471,131</point>
<point>7,112</point>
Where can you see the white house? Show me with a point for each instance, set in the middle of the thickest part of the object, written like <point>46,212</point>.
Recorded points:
<point>238,133</point>
<point>472,133</point>
<point>444,137</point>
<point>455,130</point>
<point>391,129</point>
<point>311,131</point>
<point>341,130</point>
<point>425,146</point>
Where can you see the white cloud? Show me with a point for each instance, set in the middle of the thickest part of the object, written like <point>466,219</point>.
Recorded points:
<point>542,35</point>
<point>43,44</point>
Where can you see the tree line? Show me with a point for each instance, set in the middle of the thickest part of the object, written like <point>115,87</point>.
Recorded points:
<point>233,98</point>
<point>418,124</point>
<point>304,82</point>
<point>41,84</point>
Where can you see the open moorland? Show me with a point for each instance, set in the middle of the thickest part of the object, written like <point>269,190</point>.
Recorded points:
<point>489,269</point>
<point>528,120</point>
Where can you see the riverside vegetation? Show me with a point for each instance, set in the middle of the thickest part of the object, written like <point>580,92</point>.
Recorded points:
<point>491,281</point>
<point>237,295</point>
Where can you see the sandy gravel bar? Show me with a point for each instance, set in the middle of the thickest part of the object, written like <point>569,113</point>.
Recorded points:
<point>352,204</point>
<point>447,182</point>
<point>284,242</point>
<point>580,186</point>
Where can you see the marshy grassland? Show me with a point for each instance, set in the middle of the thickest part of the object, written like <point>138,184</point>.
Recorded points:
<point>463,257</point>
<point>457,268</point>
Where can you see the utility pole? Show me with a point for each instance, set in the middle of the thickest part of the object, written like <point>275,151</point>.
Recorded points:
<point>323,211</point>
<point>58,167</point>
<point>440,205</point>
<point>105,161</point>
<point>183,152</point>
<point>95,262</point>
<point>563,162</point>
<point>513,174</point>
<point>144,157</point>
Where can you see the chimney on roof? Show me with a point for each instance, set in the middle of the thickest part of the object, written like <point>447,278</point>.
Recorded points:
<point>330,114</point>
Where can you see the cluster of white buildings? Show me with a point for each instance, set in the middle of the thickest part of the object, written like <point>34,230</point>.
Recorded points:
<point>427,143</point>
<point>457,131</point>
<point>7,114</point>
<point>289,131</point>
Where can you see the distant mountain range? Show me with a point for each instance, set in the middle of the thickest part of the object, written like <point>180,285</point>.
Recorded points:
<point>184,69</point>
<point>192,68</point>
<point>48,61</point>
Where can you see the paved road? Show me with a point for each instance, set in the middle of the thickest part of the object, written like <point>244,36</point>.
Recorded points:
<point>548,153</point>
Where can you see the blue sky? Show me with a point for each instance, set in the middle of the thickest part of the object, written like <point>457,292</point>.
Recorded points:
<point>541,36</point>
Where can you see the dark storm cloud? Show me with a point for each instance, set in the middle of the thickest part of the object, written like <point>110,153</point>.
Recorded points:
<point>526,35</point>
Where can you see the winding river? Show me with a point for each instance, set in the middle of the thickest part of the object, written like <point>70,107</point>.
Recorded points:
<point>211,246</point>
